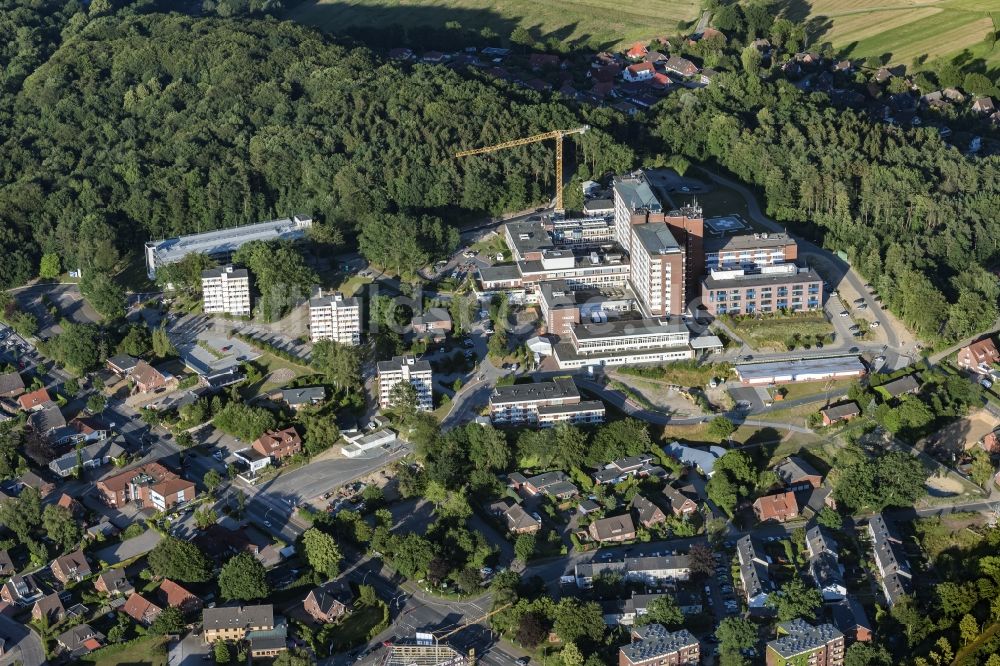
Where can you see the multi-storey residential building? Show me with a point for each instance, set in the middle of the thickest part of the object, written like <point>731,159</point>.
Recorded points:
<point>254,624</point>
<point>799,642</point>
<point>653,645</point>
<point>71,567</point>
<point>749,251</point>
<point>769,289</point>
<point>544,404</point>
<point>226,289</point>
<point>336,318</point>
<point>406,369</point>
<point>151,484</point>
<point>657,274</point>
<point>893,566</point>
<point>754,572</point>
<point>222,243</point>
<point>824,564</point>
<point>278,444</point>
<point>649,570</point>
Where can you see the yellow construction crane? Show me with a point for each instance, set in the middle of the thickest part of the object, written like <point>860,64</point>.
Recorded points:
<point>554,134</point>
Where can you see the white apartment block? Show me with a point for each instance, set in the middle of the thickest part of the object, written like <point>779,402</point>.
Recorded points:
<point>226,290</point>
<point>335,318</point>
<point>406,369</point>
<point>543,404</point>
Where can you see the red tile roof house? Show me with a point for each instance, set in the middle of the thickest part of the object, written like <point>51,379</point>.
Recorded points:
<point>32,402</point>
<point>637,51</point>
<point>175,596</point>
<point>660,81</point>
<point>141,609</point>
<point>71,567</point>
<point>780,507</point>
<point>643,71</point>
<point>278,444</point>
<point>978,356</point>
<point>67,502</point>
<point>152,484</point>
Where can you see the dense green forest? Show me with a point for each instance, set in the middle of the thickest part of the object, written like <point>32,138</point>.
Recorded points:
<point>144,126</point>
<point>917,217</point>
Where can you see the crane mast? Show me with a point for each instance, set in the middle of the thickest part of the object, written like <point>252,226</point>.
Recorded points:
<point>545,136</point>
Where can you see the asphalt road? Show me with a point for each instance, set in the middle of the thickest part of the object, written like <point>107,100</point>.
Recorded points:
<point>23,644</point>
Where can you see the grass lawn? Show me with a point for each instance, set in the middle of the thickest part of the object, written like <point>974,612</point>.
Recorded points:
<point>490,247</point>
<point>149,652</point>
<point>355,628</point>
<point>774,332</point>
<point>797,390</point>
<point>905,29</point>
<point>682,373</point>
<point>605,22</point>
<point>353,285</point>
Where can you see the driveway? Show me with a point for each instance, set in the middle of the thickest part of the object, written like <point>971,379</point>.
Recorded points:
<point>66,297</point>
<point>23,645</point>
<point>130,548</point>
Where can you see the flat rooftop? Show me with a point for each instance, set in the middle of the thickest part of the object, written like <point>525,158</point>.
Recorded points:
<point>629,328</point>
<point>557,389</point>
<point>558,294</point>
<point>762,279</point>
<point>225,241</point>
<point>747,242</point>
<point>637,194</point>
<point>219,271</point>
<point>529,236</point>
<point>833,365</point>
<point>503,272</point>
<point>656,238</point>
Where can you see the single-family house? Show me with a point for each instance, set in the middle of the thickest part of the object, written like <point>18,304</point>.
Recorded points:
<point>699,459</point>
<point>680,66</point>
<point>151,484</point>
<point>173,595</point>
<point>49,606</point>
<point>122,364</point>
<point>20,590</point>
<point>850,617</point>
<point>796,474</point>
<point>641,71</point>
<point>147,379</point>
<point>32,480</point>
<point>34,400</point>
<point>6,565</point>
<point>555,484</point>
<point>72,567</point>
<point>80,640</point>
<point>433,322</point>
<point>844,411</point>
<point>984,105</point>
<point>779,507</point>
<point>647,513</point>
<point>297,398</point>
<point>518,520</point>
<point>70,504</point>
<point>91,456</point>
<point>660,81</point>
<point>637,51</point>
<point>328,603</point>
<point>900,386</point>
<point>49,422</point>
<point>11,385</point>
<point>141,609</point>
<point>113,583</point>
<point>613,529</point>
<point>623,468</point>
<point>978,356</point>
<point>278,444</point>
<point>682,501</point>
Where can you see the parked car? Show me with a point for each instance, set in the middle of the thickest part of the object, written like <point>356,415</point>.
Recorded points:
<point>986,383</point>
<point>844,313</point>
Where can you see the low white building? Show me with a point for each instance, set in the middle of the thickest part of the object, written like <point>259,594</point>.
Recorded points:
<point>335,317</point>
<point>226,290</point>
<point>360,443</point>
<point>253,459</point>
<point>406,369</point>
<point>543,404</point>
<point>649,570</point>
